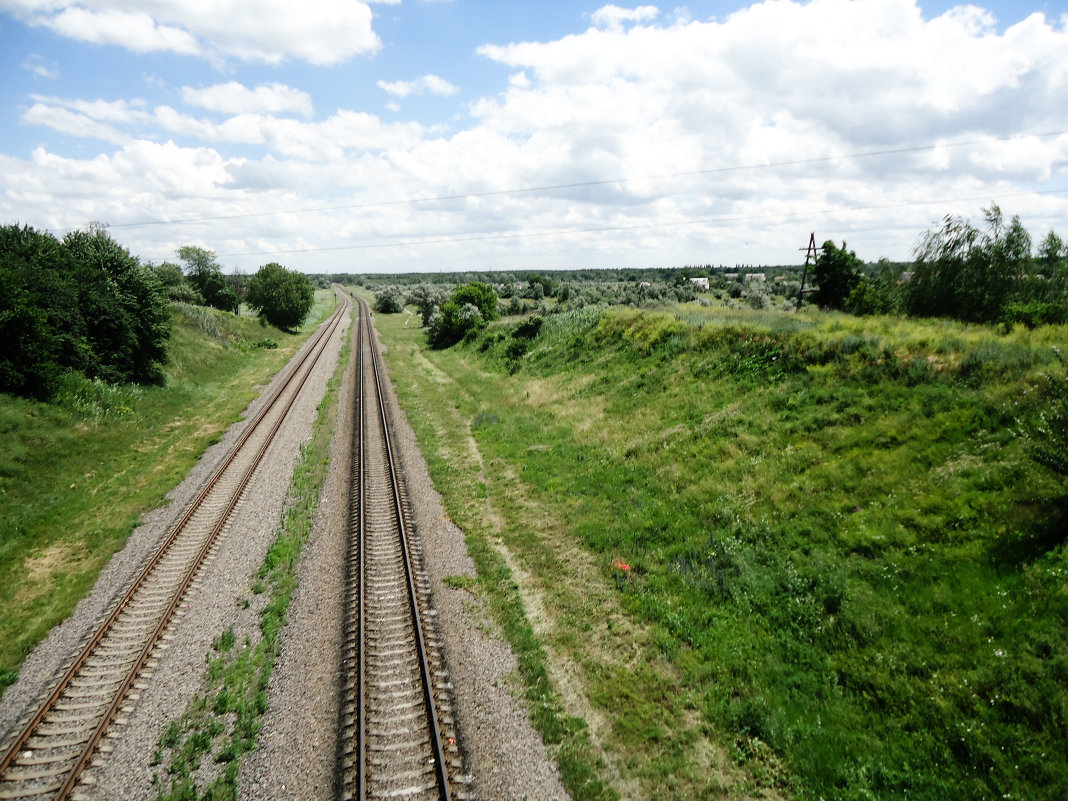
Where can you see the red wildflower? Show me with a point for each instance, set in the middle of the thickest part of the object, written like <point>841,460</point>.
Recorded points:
<point>621,565</point>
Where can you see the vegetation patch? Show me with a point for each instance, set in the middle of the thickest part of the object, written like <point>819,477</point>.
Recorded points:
<point>831,559</point>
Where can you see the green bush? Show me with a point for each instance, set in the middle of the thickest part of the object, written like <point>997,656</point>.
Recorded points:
<point>463,315</point>
<point>388,300</point>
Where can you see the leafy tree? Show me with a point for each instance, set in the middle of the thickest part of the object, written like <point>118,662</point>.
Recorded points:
<point>206,276</point>
<point>175,283</point>
<point>467,311</point>
<point>1051,253</point>
<point>481,296</point>
<point>453,322</point>
<point>389,300</point>
<point>127,317</point>
<point>426,298</point>
<point>837,273</point>
<point>168,274</point>
<point>876,294</point>
<point>42,330</point>
<point>281,297</point>
<point>967,273</point>
<point>83,304</point>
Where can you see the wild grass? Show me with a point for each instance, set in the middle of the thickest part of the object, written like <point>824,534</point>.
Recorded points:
<point>115,448</point>
<point>844,572</point>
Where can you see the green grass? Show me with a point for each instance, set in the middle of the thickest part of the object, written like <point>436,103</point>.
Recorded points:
<point>115,448</point>
<point>846,576</point>
<point>223,722</point>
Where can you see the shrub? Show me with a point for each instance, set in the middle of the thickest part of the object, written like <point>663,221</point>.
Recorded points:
<point>388,300</point>
<point>1047,432</point>
<point>529,328</point>
<point>466,313</point>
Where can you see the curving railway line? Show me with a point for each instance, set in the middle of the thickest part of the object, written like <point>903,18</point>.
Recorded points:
<point>45,757</point>
<point>398,737</point>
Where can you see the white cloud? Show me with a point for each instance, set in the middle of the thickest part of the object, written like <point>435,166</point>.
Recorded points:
<point>136,31</point>
<point>732,140</point>
<point>120,111</point>
<point>41,67</point>
<point>72,123</point>
<point>427,83</point>
<point>270,31</point>
<point>613,17</point>
<point>233,98</point>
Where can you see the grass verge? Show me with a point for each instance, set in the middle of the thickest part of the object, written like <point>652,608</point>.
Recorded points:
<point>119,448</point>
<point>766,554</point>
<point>223,721</point>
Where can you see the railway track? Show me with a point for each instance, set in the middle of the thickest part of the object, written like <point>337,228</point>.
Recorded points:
<point>45,757</point>
<point>398,736</point>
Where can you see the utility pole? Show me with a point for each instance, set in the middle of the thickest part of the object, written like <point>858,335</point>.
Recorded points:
<point>811,252</point>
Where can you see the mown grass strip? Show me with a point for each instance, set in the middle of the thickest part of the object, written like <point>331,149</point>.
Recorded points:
<point>223,721</point>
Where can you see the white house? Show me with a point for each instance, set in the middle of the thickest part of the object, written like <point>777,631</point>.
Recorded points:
<point>700,283</point>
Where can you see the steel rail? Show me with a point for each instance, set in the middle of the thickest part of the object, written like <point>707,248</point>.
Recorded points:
<point>428,693</point>
<point>317,348</point>
<point>361,768</point>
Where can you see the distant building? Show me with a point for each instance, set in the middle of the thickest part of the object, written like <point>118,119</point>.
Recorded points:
<point>731,276</point>
<point>700,283</point>
<point>779,279</point>
<point>755,277</point>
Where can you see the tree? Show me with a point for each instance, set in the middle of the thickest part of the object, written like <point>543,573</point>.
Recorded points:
<point>206,276</point>
<point>126,312</point>
<point>837,273</point>
<point>281,297</point>
<point>84,304</point>
<point>876,294</point>
<point>967,273</point>
<point>1051,253</point>
<point>453,322</point>
<point>175,283</point>
<point>467,311</point>
<point>426,298</point>
<point>42,330</point>
<point>481,296</point>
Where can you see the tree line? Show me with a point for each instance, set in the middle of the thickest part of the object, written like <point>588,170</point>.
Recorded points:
<point>991,274</point>
<point>84,304</point>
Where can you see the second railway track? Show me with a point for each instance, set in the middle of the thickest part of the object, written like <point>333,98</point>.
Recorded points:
<point>45,757</point>
<point>398,737</point>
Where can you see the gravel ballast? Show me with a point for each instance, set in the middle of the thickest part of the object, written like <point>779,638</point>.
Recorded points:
<point>296,754</point>
<point>296,749</point>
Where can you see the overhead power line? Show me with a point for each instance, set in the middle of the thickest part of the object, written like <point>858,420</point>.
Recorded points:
<point>592,183</point>
<point>504,235</point>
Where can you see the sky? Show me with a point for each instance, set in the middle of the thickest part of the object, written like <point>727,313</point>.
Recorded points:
<point>410,135</point>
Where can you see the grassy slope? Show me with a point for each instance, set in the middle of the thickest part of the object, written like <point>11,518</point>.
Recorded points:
<point>119,449</point>
<point>846,579</point>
